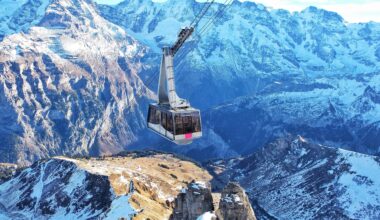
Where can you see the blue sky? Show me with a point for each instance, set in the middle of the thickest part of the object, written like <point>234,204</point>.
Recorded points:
<point>351,10</point>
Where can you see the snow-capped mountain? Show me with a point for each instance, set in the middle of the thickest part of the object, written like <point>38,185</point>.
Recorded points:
<point>308,73</point>
<point>143,185</point>
<point>251,46</point>
<point>70,71</point>
<point>68,84</point>
<point>57,189</point>
<point>287,179</point>
<point>20,15</point>
<point>337,112</point>
<point>294,179</point>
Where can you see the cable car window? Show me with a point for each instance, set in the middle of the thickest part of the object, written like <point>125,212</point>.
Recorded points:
<point>163,119</point>
<point>169,122</point>
<point>154,115</point>
<point>187,125</point>
<point>178,125</point>
<point>150,114</point>
<point>196,123</point>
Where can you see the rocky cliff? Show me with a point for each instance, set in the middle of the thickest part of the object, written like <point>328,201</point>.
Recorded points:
<point>72,72</point>
<point>197,202</point>
<point>192,202</point>
<point>136,185</point>
<point>292,178</point>
<point>68,84</point>
<point>234,204</point>
<point>57,188</point>
<point>7,171</point>
<point>308,73</point>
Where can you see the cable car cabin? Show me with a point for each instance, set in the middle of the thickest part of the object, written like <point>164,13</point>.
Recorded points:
<point>181,126</point>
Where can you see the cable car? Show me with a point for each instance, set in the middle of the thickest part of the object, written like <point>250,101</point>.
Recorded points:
<point>178,125</point>
<point>172,117</point>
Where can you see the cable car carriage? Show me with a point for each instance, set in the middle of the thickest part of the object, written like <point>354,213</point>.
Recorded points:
<point>173,117</point>
<point>178,125</point>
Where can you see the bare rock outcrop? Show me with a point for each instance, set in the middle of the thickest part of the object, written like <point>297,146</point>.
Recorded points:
<point>234,204</point>
<point>196,202</point>
<point>193,202</point>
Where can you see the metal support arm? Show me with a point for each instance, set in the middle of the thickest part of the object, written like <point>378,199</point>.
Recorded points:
<point>183,35</point>
<point>166,87</point>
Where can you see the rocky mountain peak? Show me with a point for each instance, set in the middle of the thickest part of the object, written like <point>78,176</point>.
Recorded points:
<point>20,15</point>
<point>327,16</point>
<point>234,204</point>
<point>141,185</point>
<point>68,81</point>
<point>50,188</point>
<point>197,202</point>
<point>314,176</point>
<point>193,201</point>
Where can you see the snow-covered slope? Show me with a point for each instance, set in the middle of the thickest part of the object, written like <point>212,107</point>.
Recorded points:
<point>68,85</point>
<point>20,15</point>
<point>57,189</point>
<point>142,185</point>
<point>337,112</point>
<point>251,46</point>
<point>70,72</point>
<point>294,179</point>
<point>308,73</point>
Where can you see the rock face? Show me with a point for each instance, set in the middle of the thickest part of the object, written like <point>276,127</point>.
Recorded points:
<point>292,178</point>
<point>234,204</point>
<point>193,202</point>
<point>302,73</point>
<point>267,45</point>
<point>72,71</point>
<point>336,112</point>
<point>68,84</point>
<point>196,202</point>
<point>56,188</point>
<point>7,171</point>
<point>137,185</point>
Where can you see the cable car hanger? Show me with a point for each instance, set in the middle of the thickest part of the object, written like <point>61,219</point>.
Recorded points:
<point>173,117</point>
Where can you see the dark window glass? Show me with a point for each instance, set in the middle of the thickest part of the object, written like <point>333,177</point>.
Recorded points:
<point>196,122</point>
<point>163,119</point>
<point>178,125</point>
<point>157,117</point>
<point>153,115</point>
<point>187,125</point>
<point>169,119</point>
<point>150,112</point>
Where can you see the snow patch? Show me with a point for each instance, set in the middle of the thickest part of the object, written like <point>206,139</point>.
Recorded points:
<point>360,184</point>
<point>207,216</point>
<point>120,208</point>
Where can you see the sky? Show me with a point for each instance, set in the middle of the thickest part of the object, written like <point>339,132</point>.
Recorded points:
<point>351,10</point>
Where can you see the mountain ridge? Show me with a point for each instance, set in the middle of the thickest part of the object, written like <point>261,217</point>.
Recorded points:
<point>140,186</point>
<point>100,60</point>
<point>66,95</point>
<point>292,178</point>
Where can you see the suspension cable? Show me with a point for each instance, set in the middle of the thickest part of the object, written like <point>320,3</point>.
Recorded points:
<point>195,18</point>
<point>196,39</point>
<point>218,15</point>
<point>213,20</point>
<point>202,13</point>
